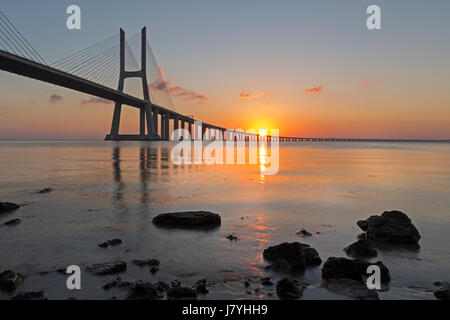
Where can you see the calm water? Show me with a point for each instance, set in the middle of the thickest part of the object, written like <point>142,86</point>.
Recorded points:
<point>104,190</point>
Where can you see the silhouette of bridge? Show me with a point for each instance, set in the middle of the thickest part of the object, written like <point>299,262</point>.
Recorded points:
<point>110,71</point>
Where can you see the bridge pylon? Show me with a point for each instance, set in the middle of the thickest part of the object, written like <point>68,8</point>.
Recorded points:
<point>146,120</point>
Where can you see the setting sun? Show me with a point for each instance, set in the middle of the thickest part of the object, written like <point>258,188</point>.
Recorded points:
<point>263,132</point>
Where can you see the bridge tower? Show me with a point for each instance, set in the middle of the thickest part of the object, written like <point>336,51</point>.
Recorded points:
<point>146,120</point>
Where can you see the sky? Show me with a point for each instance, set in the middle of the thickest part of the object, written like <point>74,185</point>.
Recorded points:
<point>308,68</point>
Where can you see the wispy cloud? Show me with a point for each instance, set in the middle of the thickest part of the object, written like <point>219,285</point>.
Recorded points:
<point>95,100</point>
<point>248,96</point>
<point>317,89</point>
<point>370,83</point>
<point>176,91</point>
<point>54,98</point>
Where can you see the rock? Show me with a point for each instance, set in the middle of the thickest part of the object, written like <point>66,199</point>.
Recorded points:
<point>36,295</point>
<point>247,284</point>
<point>343,268</point>
<point>154,270</point>
<point>200,286</point>
<point>45,190</point>
<point>352,288</point>
<point>148,262</point>
<point>288,289</point>
<point>390,227</point>
<point>12,222</point>
<point>112,242</point>
<point>8,206</point>
<point>117,283</point>
<point>107,268</point>
<point>297,254</point>
<point>304,232</point>
<point>266,281</point>
<point>361,249</point>
<point>141,290</point>
<point>444,292</point>
<point>9,280</point>
<point>232,236</point>
<point>189,219</point>
<point>184,293</point>
<point>175,284</point>
<point>161,286</point>
<point>280,266</point>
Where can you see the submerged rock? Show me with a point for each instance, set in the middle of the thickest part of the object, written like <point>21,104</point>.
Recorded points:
<point>9,280</point>
<point>12,222</point>
<point>141,290</point>
<point>304,232</point>
<point>390,227</point>
<point>444,292</point>
<point>298,255</point>
<point>288,289</point>
<point>45,190</point>
<point>200,286</point>
<point>188,219</point>
<point>351,288</point>
<point>343,268</point>
<point>8,206</point>
<point>266,281</point>
<point>34,295</point>
<point>147,262</point>
<point>112,242</point>
<point>361,249</point>
<point>232,236</point>
<point>182,293</point>
<point>107,268</point>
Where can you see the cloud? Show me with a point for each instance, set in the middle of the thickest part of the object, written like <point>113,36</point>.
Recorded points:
<point>54,98</point>
<point>176,91</point>
<point>96,100</point>
<point>370,83</point>
<point>318,89</point>
<point>248,96</point>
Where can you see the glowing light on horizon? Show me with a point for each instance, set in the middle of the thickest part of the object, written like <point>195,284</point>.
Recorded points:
<point>263,132</point>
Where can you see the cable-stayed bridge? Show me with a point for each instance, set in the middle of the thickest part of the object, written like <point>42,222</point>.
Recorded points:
<point>110,70</point>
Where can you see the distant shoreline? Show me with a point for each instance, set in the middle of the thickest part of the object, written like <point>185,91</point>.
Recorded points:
<point>347,140</point>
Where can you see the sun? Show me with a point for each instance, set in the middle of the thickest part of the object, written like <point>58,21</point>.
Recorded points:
<point>263,132</point>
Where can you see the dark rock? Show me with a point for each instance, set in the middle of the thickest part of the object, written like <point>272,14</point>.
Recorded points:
<point>390,227</point>
<point>280,266</point>
<point>189,219</point>
<point>9,280</point>
<point>112,242</point>
<point>117,283</point>
<point>343,268</point>
<point>182,293</point>
<point>175,284</point>
<point>288,289</point>
<point>362,249</point>
<point>297,254</point>
<point>266,282</point>
<point>352,288</point>
<point>161,286</point>
<point>154,270</point>
<point>148,262</point>
<point>141,290</point>
<point>37,295</point>
<point>12,222</point>
<point>107,268</point>
<point>200,286</point>
<point>45,190</point>
<point>304,232</point>
<point>8,206</point>
<point>444,292</point>
<point>247,284</point>
<point>232,236</point>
